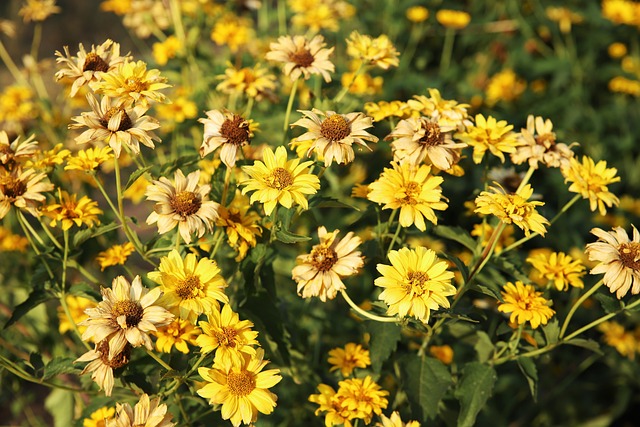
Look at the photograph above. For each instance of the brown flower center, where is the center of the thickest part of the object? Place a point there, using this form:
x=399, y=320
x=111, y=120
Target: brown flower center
x=411, y=193
x=235, y=130
x=93, y=62
x=185, y=203
x=417, y=281
x=189, y=288
x=335, y=128
x=280, y=178
x=132, y=311
x=302, y=58
x=547, y=140
x=323, y=258
x=119, y=360
x=125, y=120
x=13, y=188
x=241, y=383
x=226, y=336
x=630, y=255
x=432, y=134
x=134, y=84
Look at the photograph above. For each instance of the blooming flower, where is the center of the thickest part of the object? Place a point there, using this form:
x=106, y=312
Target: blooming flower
x=146, y=413
x=378, y=51
x=115, y=255
x=413, y=190
x=23, y=189
x=382, y=109
x=363, y=395
x=489, y=134
x=99, y=417
x=227, y=130
x=89, y=159
x=415, y=283
x=395, y=420
x=178, y=333
x=618, y=259
x=455, y=19
x=240, y=224
x=334, y=135
x=77, y=305
x=101, y=364
x=254, y=82
x=625, y=342
x=590, y=180
x=165, y=50
x=183, y=203
x=539, y=145
x=38, y=10
x=71, y=211
x=525, y=305
x=302, y=57
x=558, y=268
x=131, y=82
x=504, y=86
x=278, y=180
x=16, y=150
x=319, y=273
x=348, y=358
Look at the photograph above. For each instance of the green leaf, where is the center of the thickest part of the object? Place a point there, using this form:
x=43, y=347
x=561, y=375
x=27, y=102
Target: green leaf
x=528, y=368
x=134, y=176
x=462, y=268
x=60, y=404
x=35, y=298
x=285, y=236
x=86, y=290
x=490, y=289
x=484, y=347
x=329, y=202
x=59, y=365
x=182, y=162
x=588, y=344
x=608, y=302
x=551, y=331
x=457, y=234
x=86, y=234
x=35, y=360
x=384, y=340
x=473, y=390
x=510, y=268
x=426, y=381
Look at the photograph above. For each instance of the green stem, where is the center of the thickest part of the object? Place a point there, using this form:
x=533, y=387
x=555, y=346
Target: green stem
x=395, y=236
x=486, y=254
x=105, y=194
x=177, y=22
x=49, y=234
x=35, y=43
x=67, y=312
x=282, y=17
x=160, y=361
x=218, y=241
x=84, y=272
x=249, y=108
x=447, y=50
x=577, y=304
x=11, y=66
x=410, y=49
x=31, y=230
x=17, y=371
x=65, y=256
x=525, y=179
x=602, y=319
x=292, y=95
x=366, y=314
x=22, y=221
x=345, y=89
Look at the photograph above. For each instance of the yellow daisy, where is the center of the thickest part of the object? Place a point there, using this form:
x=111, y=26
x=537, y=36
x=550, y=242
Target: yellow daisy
x=336, y=413
x=590, y=180
x=115, y=255
x=455, y=19
x=448, y=111
x=525, y=305
x=99, y=417
x=46, y=159
x=395, y=420
x=77, y=305
x=240, y=224
x=302, y=57
x=89, y=159
x=227, y=130
x=489, y=134
x=38, y=10
x=348, y=358
x=382, y=110
x=415, y=283
x=146, y=413
x=378, y=51
x=557, y=268
x=71, y=211
x=23, y=189
x=178, y=333
x=615, y=335
x=278, y=180
x=10, y=242
x=101, y=365
x=256, y=82
x=131, y=82
x=362, y=395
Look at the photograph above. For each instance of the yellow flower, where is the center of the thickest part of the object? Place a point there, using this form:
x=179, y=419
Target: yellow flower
x=362, y=84
x=190, y=287
x=617, y=50
x=119, y=7
x=320, y=272
x=415, y=283
x=504, y=86
x=417, y=14
x=557, y=268
x=618, y=259
x=615, y=335
x=179, y=110
x=178, y=333
x=378, y=52
x=489, y=134
x=336, y=412
x=253, y=82
x=136, y=190
x=229, y=336
x=513, y=209
x=146, y=413
x=241, y=388
x=16, y=105
x=233, y=31
x=102, y=363
x=624, y=85
x=227, y=130
x=167, y=49
x=564, y=17
x=395, y=421
x=89, y=159
x=132, y=82
x=302, y=57
x=485, y=230
x=77, y=305
x=525, y=305
x=115, y=255
x=334, y=135
x=447, y=111
x=590, y=180
x=241, y=225
x=362, y=395
x=38, y=10
x=443, y=353
x=100, y=417
x=413, y=190
x=316, y=15
x=348, y=358
x=383, y=109
x=278, y=180
x=23, y=189
x=454, y=19
x=12, y=242
x=71, y=211
x=45, y=159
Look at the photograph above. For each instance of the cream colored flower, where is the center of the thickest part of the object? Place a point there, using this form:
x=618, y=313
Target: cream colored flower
x=302, y=57
x=146, y=413
x=101, y=366
x=227, y=130
x=16, y=150
x=539, y=145
x=23, y=189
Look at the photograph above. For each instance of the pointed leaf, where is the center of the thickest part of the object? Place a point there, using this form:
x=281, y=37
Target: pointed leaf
x=384, y=340
x=134, y=176
x=528, y=368
x=426, y=381
x=474, y=389
x=59, y=365
x=457, y=234
x=36, y=297
x=88, y=233
x=551, y=331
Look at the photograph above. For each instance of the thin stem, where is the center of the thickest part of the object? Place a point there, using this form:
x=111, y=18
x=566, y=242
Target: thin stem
x=218, y=241
x=292, y=95
x=410, y=49
x=84, y=272
x=177, y=21
x=160, y=361
x=49, y=234
x=225, y=188
x=525, y=179
x=447, y=50
x=345, y=89
x=11, y=66
x=15, y=370
x=249, y=108
x=33, y=232
x=577, y=304
x=67, y=312
x=364, y=313
x=35, y=43
x=602, y=319
x=177, y=244
x=395, y=236
x=105, y=194
x=282, y=17
x=65, y=257
x=22, y=220
x=486, y=254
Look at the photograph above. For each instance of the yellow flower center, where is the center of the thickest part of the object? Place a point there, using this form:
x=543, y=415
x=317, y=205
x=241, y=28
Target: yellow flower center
x=411, y=193
x=226, y=336
x=13, y=188
x=189, y=288
x=132, y=311
x=323, y=258
x=134, y=84
x=335, y=128
x=93, y=62
x=125, y=120
x=235, y=130
x=416, y=282
x=630, y=255
x=241, y=383
x=432, y=135
x=185, y=203
x=280, y=178
x=119, y=360
x=302, y=58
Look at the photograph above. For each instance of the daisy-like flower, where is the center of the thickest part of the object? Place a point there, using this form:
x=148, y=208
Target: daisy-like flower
x=625, y=342
x=115, y=255
x=415, y=283
x=364, y=395
x=240, y=224
x=191, y=287
x=16, y=150
x=227, y=130
x=38, y=10
x=178, y=333
x=513, y=209
x=618, y=259
x=378, y=51
x=382, y=110
x=539, y=145
x=146, y=413
x=525, y=305
x=319, y=274
x=183, y=203
x=126, y=314
x=77, y=305
x=99, y=417
x=336, y=413
x=590, y=180
x=229, y=336
x=557, y=268
x=443, y=353
x=10, y=242
x=448, y=111
x=71, y=212
x=23, y=189
x=489, y=134
x=348, y=358
x=46, y=159
x=89, y=159
x=101, y=366
x=419, y=139
x=302, y=57
x=116, y=125
x=395, y=421
x=241, y=388
x=256, y=82
x=131, y=82
x=334, y=135
x=88, y=67
x=278, y=180
x=413, y=190
x=454, y=19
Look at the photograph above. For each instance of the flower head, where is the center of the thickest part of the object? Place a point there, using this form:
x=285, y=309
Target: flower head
x=16, y=151
x=455, y=19
x=38, y=10
x=362, y=395
x=254, y=82
x=618, y=259
x=146, y=413
x=241, y=225
x=89, y=159
x=23, y=189
x=625, y=342
x=102, y=363
x=525, y=305
x=320, y=273
x=115, y=255
x=559, y=269
x=302, y=57
x=348, y=358
x=131, y=82
x=178, y=333
x=539, y=145
x=413, y=190
x=378, y=51
x=395, y=421
x=99, y=417
x=504, y=86
x=415, y=283
x=71, y=212
x=489, y=134
x=227, y=130
x=590, y=180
